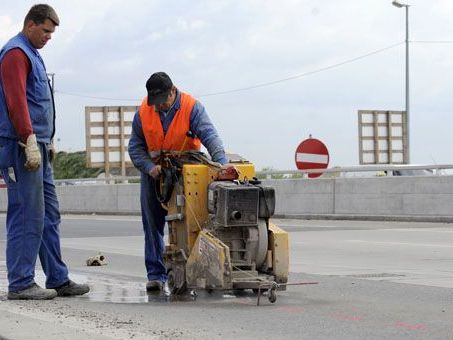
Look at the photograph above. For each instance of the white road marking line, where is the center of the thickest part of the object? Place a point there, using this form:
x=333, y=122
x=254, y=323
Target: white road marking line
x=403, y=243
x=101, y=218
x=123, y=245
x=428, y=230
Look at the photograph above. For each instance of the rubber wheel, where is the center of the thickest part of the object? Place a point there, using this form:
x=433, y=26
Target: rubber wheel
x=272, y=295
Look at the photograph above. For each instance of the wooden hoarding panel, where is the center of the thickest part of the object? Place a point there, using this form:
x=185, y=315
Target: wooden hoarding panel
x=382, y=137
x=108, y=130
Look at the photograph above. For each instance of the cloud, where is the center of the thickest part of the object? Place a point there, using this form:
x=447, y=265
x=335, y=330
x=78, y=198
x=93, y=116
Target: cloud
x=109, y=48
x=7, y=27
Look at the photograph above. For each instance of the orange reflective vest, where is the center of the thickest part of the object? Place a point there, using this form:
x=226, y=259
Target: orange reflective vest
x=175, y=139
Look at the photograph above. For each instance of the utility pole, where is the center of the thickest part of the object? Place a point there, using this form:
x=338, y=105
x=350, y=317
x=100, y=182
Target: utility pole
x=398, y=4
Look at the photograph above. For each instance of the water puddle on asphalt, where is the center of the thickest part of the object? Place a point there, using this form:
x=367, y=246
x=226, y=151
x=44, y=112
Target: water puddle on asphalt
x=117, y=289
x=121, y=290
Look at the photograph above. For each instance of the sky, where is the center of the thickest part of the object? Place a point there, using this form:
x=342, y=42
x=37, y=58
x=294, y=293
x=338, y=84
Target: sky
x=104, y=51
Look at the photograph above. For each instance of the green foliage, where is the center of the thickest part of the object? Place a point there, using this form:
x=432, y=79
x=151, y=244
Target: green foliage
x=260, y=174
x=268, y=169
x=73, y=165
x=298, y=175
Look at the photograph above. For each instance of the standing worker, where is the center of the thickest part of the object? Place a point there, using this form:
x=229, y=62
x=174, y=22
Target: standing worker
x=163, y=122
x=27, y=126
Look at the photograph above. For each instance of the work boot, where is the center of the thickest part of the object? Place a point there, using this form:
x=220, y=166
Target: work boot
x=34, y=292
x=166, y=289
x=154, y=285
x=71, y=288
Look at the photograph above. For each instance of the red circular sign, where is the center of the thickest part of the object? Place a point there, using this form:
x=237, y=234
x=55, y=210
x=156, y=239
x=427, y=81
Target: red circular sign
x=312, y=154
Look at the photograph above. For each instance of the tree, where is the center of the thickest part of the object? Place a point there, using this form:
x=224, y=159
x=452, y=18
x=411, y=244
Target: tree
x=73, y=165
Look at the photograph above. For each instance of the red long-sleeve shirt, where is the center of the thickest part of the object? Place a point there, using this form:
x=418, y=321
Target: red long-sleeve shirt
x=14, y=70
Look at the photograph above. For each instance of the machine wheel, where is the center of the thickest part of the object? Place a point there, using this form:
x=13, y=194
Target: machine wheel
x=272, y=295
x=176, y=288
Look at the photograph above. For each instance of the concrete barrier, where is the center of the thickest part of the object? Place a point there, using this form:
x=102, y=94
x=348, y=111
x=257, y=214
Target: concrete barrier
x=393, y=198
x=426, y=198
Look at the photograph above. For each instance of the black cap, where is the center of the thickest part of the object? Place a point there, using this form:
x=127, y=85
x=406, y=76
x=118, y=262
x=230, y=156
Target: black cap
x=158, y=86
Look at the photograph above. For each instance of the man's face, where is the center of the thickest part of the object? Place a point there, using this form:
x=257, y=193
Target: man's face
x=39, y=34
x=165, y=106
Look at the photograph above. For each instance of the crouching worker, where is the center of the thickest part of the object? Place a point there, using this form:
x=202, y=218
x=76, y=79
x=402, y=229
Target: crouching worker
x=27, y=117
x=162, y=122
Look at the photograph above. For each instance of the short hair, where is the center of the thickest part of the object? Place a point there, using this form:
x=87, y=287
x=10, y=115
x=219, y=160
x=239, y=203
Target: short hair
x=39, y=13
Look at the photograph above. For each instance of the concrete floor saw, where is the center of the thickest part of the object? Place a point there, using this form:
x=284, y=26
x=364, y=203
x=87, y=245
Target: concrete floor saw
x=220, y=232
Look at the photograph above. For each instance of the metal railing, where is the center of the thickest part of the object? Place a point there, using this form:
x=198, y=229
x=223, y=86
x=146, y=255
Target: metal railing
x=387, y=169
x=89, y=181
x=436, y=169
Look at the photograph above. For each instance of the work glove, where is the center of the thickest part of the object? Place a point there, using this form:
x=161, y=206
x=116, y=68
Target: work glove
x=97, y=260
x=32, y=153
x=228, y=173
x=52, y=152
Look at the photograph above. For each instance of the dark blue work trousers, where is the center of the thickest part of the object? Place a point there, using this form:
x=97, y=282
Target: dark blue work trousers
x=32, y=221
x=153, y=218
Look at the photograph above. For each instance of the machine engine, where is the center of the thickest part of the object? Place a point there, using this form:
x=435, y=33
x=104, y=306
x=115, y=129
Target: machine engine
x=237, y=215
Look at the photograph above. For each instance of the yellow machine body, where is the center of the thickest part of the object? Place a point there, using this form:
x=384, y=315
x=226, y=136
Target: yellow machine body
x=198, y=257
x=278, y=253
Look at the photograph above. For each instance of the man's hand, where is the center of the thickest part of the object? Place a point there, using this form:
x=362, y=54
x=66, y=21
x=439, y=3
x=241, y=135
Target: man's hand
x=228, y=172
x=155, y=172
x=32, y=153
x=52, y=152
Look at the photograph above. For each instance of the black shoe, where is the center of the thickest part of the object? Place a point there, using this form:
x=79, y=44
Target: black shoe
x=34, y=292
x=154, y=285
x=71, y=288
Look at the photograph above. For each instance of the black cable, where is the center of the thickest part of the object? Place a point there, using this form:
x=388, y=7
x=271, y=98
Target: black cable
x=94, y=97
x=432, y=41
x=301, y=74
x=270, y=83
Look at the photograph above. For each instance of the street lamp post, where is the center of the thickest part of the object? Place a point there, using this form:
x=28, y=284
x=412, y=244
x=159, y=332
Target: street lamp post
x=398, y=4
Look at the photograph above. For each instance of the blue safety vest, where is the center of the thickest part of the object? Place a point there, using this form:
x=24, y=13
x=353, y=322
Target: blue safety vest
x=39, y=94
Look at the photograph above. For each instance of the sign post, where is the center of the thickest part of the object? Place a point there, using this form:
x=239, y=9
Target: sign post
x=312, y=154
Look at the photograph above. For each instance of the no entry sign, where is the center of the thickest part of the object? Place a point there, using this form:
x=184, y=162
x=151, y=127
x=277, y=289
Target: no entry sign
x=312, y=154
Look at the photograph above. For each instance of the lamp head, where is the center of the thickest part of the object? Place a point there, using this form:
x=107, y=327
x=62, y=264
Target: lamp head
x=398, y=4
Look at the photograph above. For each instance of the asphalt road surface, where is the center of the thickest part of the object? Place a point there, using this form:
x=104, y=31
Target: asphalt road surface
x=375, y=280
